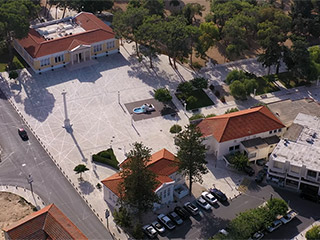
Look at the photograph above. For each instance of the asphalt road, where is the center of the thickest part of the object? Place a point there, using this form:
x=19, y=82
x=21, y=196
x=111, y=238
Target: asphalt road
x=208, y=223
x=19, y=159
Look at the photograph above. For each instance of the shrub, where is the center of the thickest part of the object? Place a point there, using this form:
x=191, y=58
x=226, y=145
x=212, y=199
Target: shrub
x=211, y=87
x=211, y=115
x=222, y=99
x=176, y=128
x=230, y=110
x=162, y=95
x=238, y=90
x=13, y=75
x=191, y=99
x=185, y=88
x=99, y=186
x=200, y=83
x=196, y=65
x=122, y=217
x=137, y=231
x=217, y=93
x=16, y=64
x=235, y=75
x=196, y=116
x=106, y=157
x=313, y=233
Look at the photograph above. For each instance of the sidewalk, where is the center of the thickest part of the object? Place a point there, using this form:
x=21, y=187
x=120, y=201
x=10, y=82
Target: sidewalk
x=301, y=236
x=29, y=196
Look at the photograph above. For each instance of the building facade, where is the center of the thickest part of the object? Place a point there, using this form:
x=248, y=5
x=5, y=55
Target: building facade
x=66, y=41
x=164, y=164
x=254, y=131
x=295, y=163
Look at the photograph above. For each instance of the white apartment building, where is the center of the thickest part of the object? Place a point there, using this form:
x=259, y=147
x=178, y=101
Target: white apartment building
x=295, y=162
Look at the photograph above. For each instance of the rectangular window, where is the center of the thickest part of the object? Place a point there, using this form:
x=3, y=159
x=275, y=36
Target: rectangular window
x=165, y=193
x=97, y=48
x=160, y=196
x=270, y=132
x=231, y=149
x=252, y=155
x=110, y=45
x=169, y=191
x=59, y=58
x=278, y=165
x=237, y=147
x=311, y=173
x=45, y=62
x=280, y=129
x=274, y=131
x=294, y=169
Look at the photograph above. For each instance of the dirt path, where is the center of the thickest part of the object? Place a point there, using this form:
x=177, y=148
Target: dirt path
x=12, y=209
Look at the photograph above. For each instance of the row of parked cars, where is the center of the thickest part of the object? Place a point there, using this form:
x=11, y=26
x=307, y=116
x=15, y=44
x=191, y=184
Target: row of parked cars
x=291, y=214
x=180, y=214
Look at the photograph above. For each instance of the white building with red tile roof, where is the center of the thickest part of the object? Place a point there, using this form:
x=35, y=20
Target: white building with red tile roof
x=70, y=40
x=47, y=223
x=255, y=131
x=164, y=164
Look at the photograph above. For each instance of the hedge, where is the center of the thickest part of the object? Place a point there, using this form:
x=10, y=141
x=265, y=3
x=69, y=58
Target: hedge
x=106, y=157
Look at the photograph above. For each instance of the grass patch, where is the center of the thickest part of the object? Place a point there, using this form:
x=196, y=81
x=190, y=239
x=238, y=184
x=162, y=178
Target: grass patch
x=17, y=62
x=202, y=99
x=106, y=157
x=290, y=81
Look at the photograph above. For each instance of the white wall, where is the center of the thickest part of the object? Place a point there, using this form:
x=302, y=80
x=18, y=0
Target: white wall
x=110, y=197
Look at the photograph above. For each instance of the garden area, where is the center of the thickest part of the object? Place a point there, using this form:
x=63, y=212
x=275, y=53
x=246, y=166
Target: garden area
x=106, y=157
x=193, y=95
x=17, y=63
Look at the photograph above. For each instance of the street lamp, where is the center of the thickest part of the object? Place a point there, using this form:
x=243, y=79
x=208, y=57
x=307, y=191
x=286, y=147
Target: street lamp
x=185, y=106
x=119, y=97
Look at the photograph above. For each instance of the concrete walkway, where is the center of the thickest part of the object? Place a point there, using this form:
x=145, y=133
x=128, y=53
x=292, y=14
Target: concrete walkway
x=302, y=235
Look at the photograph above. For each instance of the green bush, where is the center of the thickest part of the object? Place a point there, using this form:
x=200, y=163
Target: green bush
x=313, y=233
x=211, y=87
x=200, y=83
x=191, y=99
x=196, y=65
x=106, y=157
x=137, y=231
x=222, y=99
x=230, y=110
x=211, y=115
x=196, y=116
x=185, y=88
x=175, y=128
x=13, y=75
x=16, y=64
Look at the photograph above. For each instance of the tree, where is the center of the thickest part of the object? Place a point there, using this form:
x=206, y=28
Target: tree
x=200, y=83
x=173, y=37
x=162, y=95
x=147, y=33
x=79, y=169
x=313, y=233
x=139, y=182
x=192, y=154
x=238, y=89
x=93, y=6
x=209, y=34
x=239, y=160
x=185, y=88
x=155, y=7
x=277, y=207
x=122, y=217
x=235, y=75
x=15, y=16
x=13, y=75
x=190, y=10
x=250, y=85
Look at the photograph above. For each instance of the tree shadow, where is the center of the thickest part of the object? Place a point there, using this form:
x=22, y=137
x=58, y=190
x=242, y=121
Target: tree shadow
x=86, y=187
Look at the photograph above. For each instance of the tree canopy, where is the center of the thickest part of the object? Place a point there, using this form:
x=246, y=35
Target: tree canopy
x=81, y=168
x=192, y=154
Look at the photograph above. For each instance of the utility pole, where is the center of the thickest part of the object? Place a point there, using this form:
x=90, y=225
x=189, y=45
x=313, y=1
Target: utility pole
x=67, y=124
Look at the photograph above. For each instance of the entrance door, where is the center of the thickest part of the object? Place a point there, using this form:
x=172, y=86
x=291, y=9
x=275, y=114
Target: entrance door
x=80, y=57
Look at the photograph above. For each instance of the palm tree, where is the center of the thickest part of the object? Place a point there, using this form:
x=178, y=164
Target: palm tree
x=81, y=168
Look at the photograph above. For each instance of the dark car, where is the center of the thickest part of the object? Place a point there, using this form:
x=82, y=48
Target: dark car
x=175, y=217
x=218, y=195
x=260, y=176
x=248, y=170
x=184, y=214
x=23, y=134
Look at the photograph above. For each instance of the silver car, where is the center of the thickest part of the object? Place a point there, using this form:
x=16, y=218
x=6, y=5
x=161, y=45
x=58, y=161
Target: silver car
x=157, y=226
x=150, y=231
x=203, y=203
x=166, y=221
x=209, y=198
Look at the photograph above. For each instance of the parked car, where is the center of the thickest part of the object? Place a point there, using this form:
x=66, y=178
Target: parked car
x=288, y=217
x=157, y=226
x=260, y=176
x=203, y=203
x=175, y=217
x=218, y=194
x=257, y=236
x=224, y=232
x=166, y=221
x=184, y=214
x=149, y=231
x=191, y=208
x=23, y=134
x=276, y=224
x=209, y=198
x=248, y=170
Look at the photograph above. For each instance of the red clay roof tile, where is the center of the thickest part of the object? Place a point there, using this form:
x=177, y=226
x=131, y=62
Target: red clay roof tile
x=240, y=124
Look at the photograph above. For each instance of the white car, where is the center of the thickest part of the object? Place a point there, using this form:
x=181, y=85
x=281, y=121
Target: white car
x=203, y=203
x=157, y=226
x=288, y=217
x=224, y=232
x=166, y=221
x=276, y=224
x=150, y=231
x=209, y=198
